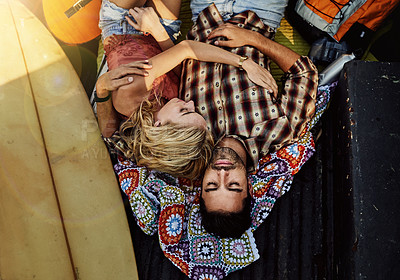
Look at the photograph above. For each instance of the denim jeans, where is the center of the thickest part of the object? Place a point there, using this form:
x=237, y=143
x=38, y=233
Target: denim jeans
x=269, y=11
x=112, y=21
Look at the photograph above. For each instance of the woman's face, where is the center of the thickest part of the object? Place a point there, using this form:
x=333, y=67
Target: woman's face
x=178, y=111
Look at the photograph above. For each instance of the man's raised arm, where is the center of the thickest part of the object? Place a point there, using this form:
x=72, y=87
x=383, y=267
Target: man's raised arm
x=237, y=37
x=301, y=82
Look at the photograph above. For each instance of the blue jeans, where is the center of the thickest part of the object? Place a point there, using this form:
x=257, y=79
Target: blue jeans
x=112, y=21
x=269, y=11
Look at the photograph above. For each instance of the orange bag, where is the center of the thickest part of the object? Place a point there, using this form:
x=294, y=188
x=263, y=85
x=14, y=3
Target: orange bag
x=337, y=16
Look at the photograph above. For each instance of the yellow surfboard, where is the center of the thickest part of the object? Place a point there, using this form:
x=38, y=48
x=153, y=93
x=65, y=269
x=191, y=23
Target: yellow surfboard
x=61, y=213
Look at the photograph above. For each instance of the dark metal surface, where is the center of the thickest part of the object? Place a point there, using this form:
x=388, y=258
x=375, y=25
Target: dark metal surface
x=366, y=171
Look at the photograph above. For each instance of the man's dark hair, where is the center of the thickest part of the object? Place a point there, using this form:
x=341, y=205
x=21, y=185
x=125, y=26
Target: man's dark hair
x=226, y=224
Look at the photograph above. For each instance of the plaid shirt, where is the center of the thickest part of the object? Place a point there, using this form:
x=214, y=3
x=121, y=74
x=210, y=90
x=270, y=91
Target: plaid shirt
x=233, y=106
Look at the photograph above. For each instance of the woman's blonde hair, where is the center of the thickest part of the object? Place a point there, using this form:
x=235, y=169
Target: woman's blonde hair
x=182, y=151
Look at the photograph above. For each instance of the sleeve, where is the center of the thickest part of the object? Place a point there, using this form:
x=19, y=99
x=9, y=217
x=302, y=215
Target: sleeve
x=115, y=144
x=274, y=175
x=299, y=94
x=141, y=187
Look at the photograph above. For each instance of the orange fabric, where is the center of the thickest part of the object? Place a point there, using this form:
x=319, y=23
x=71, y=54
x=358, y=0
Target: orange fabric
x=371, y=14
x=377, y=13
x=325, y=9
x=351, y=20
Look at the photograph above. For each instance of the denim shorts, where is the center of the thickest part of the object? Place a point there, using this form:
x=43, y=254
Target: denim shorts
x=112, y=21
x=269, y=11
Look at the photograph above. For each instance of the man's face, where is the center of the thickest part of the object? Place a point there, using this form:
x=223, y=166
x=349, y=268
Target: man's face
x=224, y=184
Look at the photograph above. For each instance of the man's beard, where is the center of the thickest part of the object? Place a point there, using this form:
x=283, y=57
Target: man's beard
x=226, y=153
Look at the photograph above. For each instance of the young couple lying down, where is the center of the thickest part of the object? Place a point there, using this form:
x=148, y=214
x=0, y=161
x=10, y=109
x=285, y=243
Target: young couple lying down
x=229, y=112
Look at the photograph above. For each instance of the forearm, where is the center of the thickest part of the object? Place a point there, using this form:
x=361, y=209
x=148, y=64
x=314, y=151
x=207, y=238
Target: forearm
x=209, y=53
x=165, y=42
x=169, y=59
x=161, y=36
x=166, y=61
x=281, y=55
x=107, y=117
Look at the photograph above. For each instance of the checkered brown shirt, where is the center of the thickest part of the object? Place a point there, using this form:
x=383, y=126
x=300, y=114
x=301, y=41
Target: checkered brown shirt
x=233, y=106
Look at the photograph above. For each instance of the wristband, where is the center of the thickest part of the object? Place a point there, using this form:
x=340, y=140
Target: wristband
x=242, y=59
x=101, y=99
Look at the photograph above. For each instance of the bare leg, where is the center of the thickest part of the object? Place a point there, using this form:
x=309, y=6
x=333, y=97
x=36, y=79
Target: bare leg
x=127, y=4
x=167, y=9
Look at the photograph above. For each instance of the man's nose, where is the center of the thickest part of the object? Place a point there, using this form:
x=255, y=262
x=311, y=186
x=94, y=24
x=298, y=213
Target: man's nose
x=223, y=175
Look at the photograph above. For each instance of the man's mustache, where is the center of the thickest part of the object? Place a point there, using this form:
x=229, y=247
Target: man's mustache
x=223, y=167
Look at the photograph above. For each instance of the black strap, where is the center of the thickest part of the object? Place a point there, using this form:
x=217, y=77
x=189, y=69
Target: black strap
x=103, y=99
x=76, y=7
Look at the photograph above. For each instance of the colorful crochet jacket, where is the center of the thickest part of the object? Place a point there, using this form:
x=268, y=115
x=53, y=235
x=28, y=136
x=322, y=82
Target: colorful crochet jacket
x=170, y=206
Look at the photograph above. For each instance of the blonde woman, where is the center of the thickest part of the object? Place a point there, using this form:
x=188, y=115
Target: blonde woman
x=159, y=130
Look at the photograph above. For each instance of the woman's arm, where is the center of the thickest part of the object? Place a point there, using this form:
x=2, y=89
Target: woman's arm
x=108, y=82
x=167, y=60
x=148, y=22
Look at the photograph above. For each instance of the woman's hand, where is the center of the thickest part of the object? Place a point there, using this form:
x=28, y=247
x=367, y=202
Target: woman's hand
x=147, y=21
x=118, y=77
x=260, y=76
x=236, y=36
